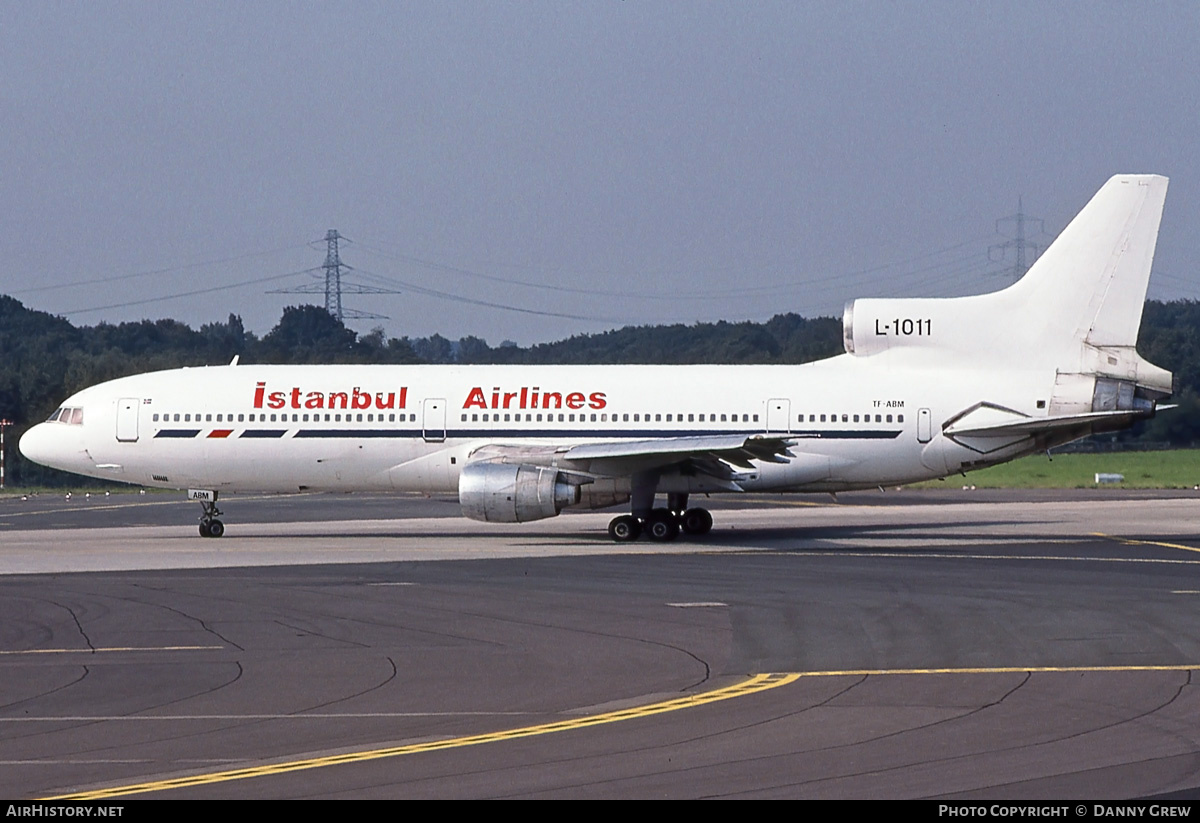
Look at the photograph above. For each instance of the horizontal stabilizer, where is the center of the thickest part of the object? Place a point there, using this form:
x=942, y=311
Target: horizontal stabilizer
x=1039, y=425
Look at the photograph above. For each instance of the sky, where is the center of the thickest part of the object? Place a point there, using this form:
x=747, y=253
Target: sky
x=529, y=171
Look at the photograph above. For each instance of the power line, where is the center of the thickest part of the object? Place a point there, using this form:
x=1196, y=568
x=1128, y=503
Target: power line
x=149, y=272
x=707, y=294
x=193, y=293
x=458, y=298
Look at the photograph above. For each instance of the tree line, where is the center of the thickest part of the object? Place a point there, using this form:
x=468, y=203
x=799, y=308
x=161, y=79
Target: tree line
x=44, y=359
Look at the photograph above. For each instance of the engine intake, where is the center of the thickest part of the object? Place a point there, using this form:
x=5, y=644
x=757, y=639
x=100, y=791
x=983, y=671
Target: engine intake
x=513, y=493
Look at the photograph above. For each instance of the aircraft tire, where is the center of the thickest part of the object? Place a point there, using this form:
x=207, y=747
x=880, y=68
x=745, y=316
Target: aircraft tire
x=205, y=531
x=624, y=529
x=662, y=526
x=216, y=528
x=696, y=521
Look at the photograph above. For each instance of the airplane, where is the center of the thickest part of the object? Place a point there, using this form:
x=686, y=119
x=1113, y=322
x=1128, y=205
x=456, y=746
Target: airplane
x=928, y=387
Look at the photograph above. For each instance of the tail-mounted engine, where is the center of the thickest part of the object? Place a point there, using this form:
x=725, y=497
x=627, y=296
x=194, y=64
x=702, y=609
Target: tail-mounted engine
x=513, y=493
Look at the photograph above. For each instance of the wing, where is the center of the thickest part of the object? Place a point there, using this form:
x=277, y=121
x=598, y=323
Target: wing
x=718, y=456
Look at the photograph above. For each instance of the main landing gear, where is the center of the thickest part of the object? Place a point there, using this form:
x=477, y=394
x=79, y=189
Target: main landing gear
x=210, y=526
x=661, y=525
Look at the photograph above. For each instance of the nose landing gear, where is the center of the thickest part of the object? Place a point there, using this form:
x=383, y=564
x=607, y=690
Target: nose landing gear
x=210, y=526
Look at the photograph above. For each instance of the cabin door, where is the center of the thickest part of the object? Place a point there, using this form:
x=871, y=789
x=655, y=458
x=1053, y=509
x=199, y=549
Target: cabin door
x=779, y=414
x=433, y=426
x=924, y=426
x=127, y=419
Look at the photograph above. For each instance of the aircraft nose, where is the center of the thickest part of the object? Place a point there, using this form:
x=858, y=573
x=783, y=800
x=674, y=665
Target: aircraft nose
x=44, y=444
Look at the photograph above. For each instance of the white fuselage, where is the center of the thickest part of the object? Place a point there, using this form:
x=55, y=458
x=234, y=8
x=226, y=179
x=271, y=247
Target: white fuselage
x=856, y=422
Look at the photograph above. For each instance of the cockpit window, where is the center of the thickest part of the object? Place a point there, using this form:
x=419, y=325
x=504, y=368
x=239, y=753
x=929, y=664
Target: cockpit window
x=70, y=415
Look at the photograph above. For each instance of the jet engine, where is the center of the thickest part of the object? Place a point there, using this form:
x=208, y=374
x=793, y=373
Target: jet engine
x=513, y=493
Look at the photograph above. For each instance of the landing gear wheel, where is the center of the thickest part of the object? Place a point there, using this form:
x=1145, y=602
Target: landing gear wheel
x=210, y=526
x=624, y=529
x=696, y=521
x=662, y=526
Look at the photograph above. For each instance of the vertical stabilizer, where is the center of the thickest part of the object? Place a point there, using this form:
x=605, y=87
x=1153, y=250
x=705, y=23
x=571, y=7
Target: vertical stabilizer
x=1090, y=285
x=1077, y=309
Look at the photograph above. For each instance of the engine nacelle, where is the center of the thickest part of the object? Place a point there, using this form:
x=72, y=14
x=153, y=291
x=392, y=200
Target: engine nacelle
x=874, y=325
x=513, y=493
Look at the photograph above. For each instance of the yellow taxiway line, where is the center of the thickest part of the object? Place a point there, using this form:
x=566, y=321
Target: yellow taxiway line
x=757, y=683
x=1131, y=542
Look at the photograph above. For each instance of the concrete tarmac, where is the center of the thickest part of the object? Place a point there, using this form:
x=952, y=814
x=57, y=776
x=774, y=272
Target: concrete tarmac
x=937, y=644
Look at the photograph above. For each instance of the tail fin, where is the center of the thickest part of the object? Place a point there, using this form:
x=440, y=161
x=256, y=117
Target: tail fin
x=1077, y=309
x=1090, y=285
